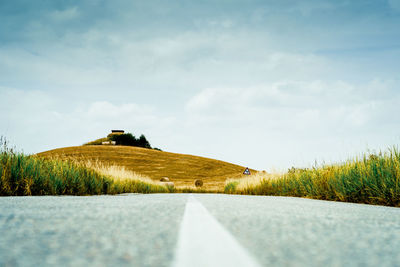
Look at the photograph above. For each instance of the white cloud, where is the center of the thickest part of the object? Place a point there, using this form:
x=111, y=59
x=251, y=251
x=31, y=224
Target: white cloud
x=394, y=4
x=278, y=95
x=296, y=122
x=215, y=23
x=191, y=60
x=307, y=8
x=64, y=15
x=36, y=121
x=107, y=110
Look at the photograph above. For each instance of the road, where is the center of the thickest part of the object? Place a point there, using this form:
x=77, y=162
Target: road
x=195, y=230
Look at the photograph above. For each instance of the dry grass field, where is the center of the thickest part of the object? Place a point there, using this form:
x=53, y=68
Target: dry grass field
x=181, y=169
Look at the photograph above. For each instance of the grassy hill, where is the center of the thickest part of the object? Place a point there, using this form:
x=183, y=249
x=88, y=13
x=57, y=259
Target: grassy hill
x=181, y=169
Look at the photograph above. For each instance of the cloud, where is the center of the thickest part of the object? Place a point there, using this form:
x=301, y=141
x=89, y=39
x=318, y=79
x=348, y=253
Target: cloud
x=314, y=108
x=107, y=110
x=36, y=120
x=186, y=61
x=64, y=15
x=394, y=4
x=297, y=122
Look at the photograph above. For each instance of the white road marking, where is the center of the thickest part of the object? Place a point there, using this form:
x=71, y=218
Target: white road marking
x=204, y=242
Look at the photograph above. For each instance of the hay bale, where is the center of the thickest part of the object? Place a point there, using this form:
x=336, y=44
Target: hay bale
x=198, y=183
x=164, y=179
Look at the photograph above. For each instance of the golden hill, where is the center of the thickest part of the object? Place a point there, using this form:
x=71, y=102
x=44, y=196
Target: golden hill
x=181, y=169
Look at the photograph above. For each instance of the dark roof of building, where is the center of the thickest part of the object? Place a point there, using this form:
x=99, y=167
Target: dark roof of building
x=117, y=131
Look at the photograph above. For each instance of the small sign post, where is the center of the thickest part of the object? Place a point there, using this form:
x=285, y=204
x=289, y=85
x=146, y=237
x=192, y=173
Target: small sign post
x=246, y=171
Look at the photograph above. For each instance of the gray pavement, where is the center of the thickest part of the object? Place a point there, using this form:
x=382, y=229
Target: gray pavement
x=285, y=231
x=127, y=230
x=142, y=230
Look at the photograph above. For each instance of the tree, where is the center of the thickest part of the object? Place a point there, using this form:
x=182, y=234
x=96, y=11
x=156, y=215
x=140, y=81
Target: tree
x=130, y=140
x=142, y=142
x=125, y=139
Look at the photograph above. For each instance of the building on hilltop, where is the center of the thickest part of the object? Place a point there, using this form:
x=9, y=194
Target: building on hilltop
x=113, y=143
x=117, y=131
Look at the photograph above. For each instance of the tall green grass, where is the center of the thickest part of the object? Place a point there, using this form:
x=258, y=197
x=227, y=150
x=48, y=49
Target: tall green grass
x=30, y=175
x=371, y=179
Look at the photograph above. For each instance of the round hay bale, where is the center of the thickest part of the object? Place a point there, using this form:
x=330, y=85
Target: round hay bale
x=164, y=179
x=198, y=183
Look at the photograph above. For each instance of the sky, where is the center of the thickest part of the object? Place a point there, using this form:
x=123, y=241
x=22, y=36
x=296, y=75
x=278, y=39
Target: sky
x=267, y=84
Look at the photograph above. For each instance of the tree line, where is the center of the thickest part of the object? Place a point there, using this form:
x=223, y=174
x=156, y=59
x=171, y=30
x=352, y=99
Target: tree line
x=128, y=139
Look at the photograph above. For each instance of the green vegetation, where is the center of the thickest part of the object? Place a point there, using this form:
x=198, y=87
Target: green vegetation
x=231, y=187
x=371, y=179
x=32, y=175
x=125, y=139
x=129, y=140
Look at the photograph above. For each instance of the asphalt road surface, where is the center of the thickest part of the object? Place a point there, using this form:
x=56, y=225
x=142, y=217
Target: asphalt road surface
x=195, y=230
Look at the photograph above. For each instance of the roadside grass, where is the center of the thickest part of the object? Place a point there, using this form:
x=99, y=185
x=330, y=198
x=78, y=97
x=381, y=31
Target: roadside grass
x=246, y=182
x=32, y=175
x=371, y=179
x=118, y=173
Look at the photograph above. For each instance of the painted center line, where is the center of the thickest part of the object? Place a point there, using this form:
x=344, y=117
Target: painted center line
x=203, y=241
